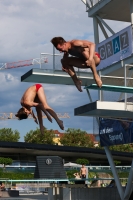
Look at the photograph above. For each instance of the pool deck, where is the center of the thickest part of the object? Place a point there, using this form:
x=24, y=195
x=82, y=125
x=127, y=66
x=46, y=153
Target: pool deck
x=28, y=197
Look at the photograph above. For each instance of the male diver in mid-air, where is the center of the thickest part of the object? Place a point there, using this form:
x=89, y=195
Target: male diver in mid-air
x=84, y=57
x=34, y=96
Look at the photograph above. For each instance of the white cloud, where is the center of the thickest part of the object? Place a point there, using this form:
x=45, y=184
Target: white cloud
x=8, y=82
x=9, y=77
x=28, y=26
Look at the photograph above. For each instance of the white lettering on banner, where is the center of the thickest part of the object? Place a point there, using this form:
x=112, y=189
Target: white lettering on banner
x=109, y=49
x=124, y=41
x=109, y=52
x=102, y=53
x=107, y=130
x=115, y=48
x=116, y=137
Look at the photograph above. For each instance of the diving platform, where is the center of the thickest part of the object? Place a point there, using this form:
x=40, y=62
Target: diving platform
x=105, y=109
x=112, y=88
x=51, y=76
x=110, y=9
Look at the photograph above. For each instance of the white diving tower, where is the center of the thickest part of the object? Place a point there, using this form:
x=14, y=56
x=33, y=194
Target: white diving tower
x=116, y=67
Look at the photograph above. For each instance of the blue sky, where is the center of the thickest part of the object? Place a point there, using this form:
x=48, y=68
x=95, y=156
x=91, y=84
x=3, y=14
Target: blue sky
x=26, y=30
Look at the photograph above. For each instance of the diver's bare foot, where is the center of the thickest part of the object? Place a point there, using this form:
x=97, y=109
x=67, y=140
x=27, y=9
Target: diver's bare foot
x=78, y=85
x=98, y=81
x=49, y=118
x=60, y=123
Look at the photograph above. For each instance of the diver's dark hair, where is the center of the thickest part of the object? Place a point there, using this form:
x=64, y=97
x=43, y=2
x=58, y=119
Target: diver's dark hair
x=57, y=40
x=21, y=114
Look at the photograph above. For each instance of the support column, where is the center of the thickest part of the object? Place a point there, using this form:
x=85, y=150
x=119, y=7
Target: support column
x=125, y=82
x=86, y=182
x=53, y=58
x=114, y=171
x=129, y=186
x=96, y=39
x=96, y=32
x=131, y=11
x=103, y=30
x=40, y=61
x=105, y=24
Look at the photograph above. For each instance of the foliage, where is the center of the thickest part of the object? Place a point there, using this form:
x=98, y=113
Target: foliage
x=76, y=137
x=5, y=161
x=7, y=134
x=92, y=175
x=82, y=161
x=117, y=162
x=21, y=176
x=34, y=136
x=123, y=174
x=71, y=172
x=16, y=175
x=122, y=147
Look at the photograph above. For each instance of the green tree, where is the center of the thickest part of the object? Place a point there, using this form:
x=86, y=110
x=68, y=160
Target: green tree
x=82, y=161
x=5, y=161
x=34, y=136
x=76, y=137
x=124, y=148
x=117, y=162
x=7, y=134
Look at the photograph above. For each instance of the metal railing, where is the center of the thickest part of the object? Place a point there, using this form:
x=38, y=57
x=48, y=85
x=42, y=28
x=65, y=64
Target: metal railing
x=91, y=3
x=41, y=185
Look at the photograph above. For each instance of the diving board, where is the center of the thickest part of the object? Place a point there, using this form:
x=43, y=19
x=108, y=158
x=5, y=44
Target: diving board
x=105, y=109
x=51, y=76
x=55, y=77
x=113, y=88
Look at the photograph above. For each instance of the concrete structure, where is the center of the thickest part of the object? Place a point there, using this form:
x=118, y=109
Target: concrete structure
x=9, y=193
x=81, y=193
x=105, y=109
x=25, y=153
x=49, y=167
